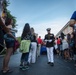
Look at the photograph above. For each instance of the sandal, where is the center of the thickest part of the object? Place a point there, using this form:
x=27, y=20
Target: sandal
x=8, y=71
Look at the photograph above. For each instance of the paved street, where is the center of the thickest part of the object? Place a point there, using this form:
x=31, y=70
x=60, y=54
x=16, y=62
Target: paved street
x=41, y=67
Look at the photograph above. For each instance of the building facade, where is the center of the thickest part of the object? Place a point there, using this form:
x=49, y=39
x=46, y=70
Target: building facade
x=66, y=29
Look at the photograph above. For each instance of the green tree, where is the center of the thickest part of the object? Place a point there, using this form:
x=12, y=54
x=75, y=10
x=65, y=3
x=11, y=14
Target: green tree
x=19, y=39
x=9, y=15
x=12, y=17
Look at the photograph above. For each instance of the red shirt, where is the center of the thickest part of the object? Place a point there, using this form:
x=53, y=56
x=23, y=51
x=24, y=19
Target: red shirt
x=58, y=41
x=39, y=41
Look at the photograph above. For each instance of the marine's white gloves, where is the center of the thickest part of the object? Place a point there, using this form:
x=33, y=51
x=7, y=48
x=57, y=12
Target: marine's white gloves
x=46, y=40
x=49, y=40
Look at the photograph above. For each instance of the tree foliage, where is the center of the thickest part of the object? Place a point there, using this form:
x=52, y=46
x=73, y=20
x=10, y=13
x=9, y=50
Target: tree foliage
x=19, y=39
x=12, y=17
x=9, y=15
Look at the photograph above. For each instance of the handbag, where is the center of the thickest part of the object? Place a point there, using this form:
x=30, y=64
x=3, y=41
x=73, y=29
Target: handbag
x=16, y=45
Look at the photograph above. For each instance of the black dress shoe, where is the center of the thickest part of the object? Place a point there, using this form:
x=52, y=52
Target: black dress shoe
x=48, y=62
x=52, y=64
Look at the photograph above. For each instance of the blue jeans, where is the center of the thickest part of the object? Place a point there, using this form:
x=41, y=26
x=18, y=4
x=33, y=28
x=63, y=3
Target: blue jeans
x=24, y=58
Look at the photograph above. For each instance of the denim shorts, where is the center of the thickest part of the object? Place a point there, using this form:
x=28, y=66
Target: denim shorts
x=10, y=44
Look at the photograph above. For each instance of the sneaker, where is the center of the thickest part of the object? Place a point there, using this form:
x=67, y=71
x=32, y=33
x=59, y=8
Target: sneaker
x=25, y=68
x=21, y=66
